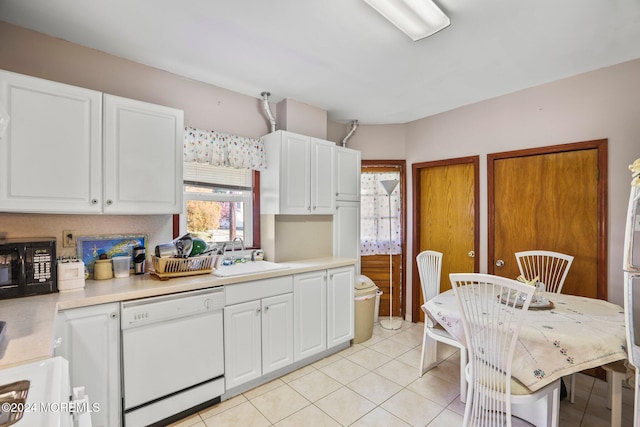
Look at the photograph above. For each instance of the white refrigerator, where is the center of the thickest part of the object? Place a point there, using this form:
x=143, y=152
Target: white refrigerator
x=631, y=265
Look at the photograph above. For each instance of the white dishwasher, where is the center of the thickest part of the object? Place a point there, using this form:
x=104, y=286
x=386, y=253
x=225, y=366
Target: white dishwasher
x=172, y=355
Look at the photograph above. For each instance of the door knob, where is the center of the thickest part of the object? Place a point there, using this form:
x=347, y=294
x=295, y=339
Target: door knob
x=471, y=254
x=499, y=263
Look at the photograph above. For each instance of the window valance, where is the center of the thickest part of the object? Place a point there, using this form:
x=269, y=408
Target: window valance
x=223, y=149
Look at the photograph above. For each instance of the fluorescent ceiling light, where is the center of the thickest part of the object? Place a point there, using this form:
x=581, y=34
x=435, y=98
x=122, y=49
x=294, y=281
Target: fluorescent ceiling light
x=416, y=18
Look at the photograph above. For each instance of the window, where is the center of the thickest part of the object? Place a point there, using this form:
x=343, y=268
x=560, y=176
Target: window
x=218, y=203
x=375, y=236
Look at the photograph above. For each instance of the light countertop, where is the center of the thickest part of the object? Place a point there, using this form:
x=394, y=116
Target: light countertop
x=30, y=320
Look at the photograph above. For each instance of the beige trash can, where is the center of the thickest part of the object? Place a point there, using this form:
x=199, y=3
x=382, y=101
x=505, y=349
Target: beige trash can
x=365, y=300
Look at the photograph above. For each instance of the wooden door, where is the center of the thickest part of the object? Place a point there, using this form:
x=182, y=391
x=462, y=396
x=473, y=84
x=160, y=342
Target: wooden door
x=446, y=219
x=376, y=268
x=552, y=198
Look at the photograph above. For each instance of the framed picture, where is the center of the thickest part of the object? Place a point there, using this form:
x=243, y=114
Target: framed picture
x=89, y=248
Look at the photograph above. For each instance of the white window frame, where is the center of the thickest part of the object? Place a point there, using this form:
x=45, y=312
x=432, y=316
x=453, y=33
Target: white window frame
x=245, y=196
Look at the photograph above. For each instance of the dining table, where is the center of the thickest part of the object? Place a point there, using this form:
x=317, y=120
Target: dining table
x=569, y=335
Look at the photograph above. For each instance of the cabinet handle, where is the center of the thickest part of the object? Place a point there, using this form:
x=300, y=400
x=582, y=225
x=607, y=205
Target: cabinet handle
x=266, y=308
x=314, y=207
x=258, y=311
x=94, y=201
x=109, y=202
x=113, y=315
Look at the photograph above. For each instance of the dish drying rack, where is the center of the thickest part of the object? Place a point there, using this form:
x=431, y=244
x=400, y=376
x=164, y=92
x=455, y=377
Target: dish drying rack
x=166, y=268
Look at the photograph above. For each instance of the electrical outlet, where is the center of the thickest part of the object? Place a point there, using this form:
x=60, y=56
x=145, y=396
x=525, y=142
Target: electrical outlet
x=68, y=238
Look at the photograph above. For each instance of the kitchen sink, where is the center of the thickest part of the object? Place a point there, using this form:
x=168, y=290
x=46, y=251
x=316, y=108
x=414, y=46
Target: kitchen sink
x=250, y=267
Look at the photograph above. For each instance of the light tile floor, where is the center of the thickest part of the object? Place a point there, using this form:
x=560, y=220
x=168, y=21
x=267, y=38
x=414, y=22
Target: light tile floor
x=376, y=383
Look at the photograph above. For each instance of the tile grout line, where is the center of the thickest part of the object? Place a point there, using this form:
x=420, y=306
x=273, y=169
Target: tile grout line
x=346, y=354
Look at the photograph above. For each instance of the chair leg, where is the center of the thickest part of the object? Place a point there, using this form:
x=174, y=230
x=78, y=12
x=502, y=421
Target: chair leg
x=463, y=377
x=572, y=395
x=636, y=400
x=429, y=352
x=614, y=384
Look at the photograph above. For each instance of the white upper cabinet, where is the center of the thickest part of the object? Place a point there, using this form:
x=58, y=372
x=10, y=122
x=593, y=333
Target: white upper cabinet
x=347, y=174
x=142, y=157
x=66, y=152
x=323, y=201
x=51, y=153
x=299, y=179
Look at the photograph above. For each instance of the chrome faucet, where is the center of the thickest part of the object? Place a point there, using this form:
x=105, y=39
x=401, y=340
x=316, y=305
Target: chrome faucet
x=233, y=247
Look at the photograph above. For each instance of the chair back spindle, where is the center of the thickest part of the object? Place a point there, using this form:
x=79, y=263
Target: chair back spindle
x=551, y=268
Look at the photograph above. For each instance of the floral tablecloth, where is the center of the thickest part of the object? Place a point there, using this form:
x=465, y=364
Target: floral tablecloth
x=577, y=334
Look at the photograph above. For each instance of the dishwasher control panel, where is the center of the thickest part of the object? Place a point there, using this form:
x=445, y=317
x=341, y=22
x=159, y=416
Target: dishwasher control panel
x=158, y=309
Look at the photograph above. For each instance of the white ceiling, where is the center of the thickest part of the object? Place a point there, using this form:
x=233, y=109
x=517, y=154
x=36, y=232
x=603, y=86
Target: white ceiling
x=343, y=57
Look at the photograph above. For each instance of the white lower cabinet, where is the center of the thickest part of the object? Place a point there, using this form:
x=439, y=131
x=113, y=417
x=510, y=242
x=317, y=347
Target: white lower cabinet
x=323, y=310
x=340, y=306
x=242, y=343
x=89, y=338
x=258, y=338
x=277, y=332
x=309, y=313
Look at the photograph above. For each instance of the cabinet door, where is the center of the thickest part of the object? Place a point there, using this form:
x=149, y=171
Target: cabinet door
x=340, y=309
x=89, y=338
x=309, y=314
x=323, y=199
x=347, y=174
x=277, y=332
x=242, y=343
x=346, y=231
x=142, y=157
x=50, y=156
x=295, y=184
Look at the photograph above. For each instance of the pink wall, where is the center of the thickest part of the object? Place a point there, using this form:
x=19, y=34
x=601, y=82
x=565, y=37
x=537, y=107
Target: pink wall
x=378, y=142
x=205, y=106
x=301, y=118
x=600, y=104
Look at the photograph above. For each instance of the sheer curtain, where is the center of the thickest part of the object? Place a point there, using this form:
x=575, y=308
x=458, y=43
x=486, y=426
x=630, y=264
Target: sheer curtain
x=374, y=225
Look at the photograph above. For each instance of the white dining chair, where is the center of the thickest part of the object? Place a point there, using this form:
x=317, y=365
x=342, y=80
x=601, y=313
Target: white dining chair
x=551, y=268
x=430, y=268
x=493, y=309
x=633, y=347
